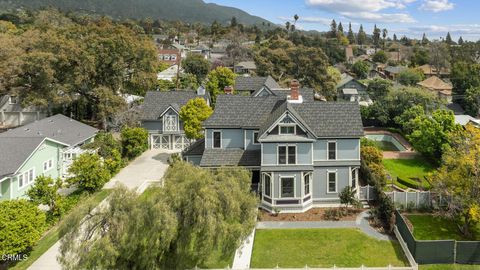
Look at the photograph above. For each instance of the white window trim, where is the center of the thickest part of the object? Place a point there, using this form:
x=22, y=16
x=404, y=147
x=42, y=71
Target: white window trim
x=287, y=125
x=286, y=153
x=177, y=128
x=328, y=150
x=356, y=169
x=280, y=177
x=328, y=181
x=310, y=183
x=10, y=100
x=253, y=138
x=213, y=139
x=26, y=173
x=49, y=167
x=271, y=185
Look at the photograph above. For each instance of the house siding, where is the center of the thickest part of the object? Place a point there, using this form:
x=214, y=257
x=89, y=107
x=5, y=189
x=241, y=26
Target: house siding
x=48, y=150
x=347, y=149
x=249, y=140
x=270, y=155
x=231, y=138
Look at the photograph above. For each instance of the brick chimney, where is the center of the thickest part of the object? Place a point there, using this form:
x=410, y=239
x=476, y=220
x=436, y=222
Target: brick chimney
x=228, y=90
x=295, y=96
x=294, y=89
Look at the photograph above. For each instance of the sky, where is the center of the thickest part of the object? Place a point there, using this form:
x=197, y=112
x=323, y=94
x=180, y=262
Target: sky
x=402, y=17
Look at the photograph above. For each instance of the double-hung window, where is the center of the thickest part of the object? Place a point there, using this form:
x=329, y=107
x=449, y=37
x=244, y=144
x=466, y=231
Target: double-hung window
x=354, y=178
x=332, y=150
x=267, y=185
x=217, y=139
x=287, y=155
x=306, y=184
x=26, y=178
x=47, y=165
x=287, y=189
x=332, y=182
x=255, y=137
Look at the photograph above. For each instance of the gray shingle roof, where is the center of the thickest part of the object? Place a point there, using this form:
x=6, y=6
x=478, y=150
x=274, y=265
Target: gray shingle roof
x=230, y=157
x=195, y=149
x=156, y=102
x=395, y=70
x=58, y=127
x=14, y=151
x=323, y=119
x=254, y=83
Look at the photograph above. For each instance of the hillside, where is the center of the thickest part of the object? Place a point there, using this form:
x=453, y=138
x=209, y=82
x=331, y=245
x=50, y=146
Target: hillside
x=184, y=10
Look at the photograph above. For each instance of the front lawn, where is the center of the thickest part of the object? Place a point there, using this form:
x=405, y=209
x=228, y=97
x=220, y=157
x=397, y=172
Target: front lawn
x=411, y=171
x=449, y=267
x=51, y=237
x=429, y=227
x=323, y=248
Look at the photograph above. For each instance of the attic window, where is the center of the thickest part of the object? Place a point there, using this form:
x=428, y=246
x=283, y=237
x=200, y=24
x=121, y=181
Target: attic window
x=287, y=129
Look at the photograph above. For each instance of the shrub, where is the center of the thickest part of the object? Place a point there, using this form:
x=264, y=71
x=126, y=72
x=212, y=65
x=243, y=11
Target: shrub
x=347, y=196
x=90, y=173
x=114, y=163
x=334, y=214
x=371, y=154
x=21, y=226
x=410, y=77
x=383, y=214
x=45, y=191
x=134, y=142
x=105, y=145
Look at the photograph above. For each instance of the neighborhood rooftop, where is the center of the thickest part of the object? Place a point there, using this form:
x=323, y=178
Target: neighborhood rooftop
x=156, y=102
x=247, y=83
x=15, y=151
x=58, y=127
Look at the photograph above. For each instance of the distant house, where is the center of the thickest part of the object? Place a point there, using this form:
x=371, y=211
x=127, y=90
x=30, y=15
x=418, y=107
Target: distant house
x=439, y=87
x=246, y=85
x=430, y=71
x=466, y=119
x=391, y=72
x=45, y=147
x=247, y=67
x=13, y=114
x=160, y=116
x=350, y=89
x=170, y=56
x=169, y=74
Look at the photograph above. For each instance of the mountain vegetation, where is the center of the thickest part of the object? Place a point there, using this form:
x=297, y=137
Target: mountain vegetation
x=183, y=10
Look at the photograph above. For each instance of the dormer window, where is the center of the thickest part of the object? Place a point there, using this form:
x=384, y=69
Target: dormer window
x=287, y=129
x=13, y=100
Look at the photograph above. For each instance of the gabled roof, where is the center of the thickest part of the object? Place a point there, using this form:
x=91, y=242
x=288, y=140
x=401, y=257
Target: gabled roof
x=437, y=84
x=15, y=151
x=156, y=103
x=243, y=83
x=395, y=70
x=344, y=79
x=247, y=65
x=58, y=127
x=323, y=119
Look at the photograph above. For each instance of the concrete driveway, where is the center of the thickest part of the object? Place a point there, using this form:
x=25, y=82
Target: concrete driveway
x=150, y=166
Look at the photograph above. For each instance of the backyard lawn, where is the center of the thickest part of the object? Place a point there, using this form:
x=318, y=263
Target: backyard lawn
x=323, y=248
x=410, y=170
x=428, y=227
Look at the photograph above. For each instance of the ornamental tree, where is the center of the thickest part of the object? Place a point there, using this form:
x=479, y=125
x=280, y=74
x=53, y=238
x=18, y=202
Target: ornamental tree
x=89, y=172
x=134, y=142
x=45, y=191
x=217, y=80
x=193, y=114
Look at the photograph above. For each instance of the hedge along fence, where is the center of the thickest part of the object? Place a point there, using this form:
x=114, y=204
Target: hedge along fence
x=438, y=251
x=417, y=199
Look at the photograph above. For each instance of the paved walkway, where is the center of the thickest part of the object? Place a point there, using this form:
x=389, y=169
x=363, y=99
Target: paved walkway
x=243, y=254
x=361, y=223
x=151, y=165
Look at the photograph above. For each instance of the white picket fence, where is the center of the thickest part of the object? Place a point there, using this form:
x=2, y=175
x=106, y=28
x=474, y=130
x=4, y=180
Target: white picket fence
x=415, y=199
x=367, y=193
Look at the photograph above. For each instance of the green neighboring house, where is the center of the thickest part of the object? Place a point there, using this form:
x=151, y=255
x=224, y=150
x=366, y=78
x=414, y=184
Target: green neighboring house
x=45, y=147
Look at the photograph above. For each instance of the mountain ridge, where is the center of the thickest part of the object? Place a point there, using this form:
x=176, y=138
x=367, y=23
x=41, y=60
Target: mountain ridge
x=185, y=10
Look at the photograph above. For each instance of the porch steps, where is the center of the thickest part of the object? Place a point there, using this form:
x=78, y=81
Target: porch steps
x=365, y=204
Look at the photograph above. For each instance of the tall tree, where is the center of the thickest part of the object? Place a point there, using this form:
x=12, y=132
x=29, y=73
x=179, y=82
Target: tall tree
x=425, y=40
x=340, y=29
x=362, y=36
x=448, y=39
x=350, y=35
x=460, y=41
x=376, y=36
x=193, y=114
x=197, y=65
x=333, y=29
x=395, y=39
x=287, y=26
x=439, y=56
x=384, y=36
x=217, y=80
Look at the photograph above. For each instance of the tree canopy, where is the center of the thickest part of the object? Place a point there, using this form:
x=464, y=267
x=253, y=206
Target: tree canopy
x=193, y=114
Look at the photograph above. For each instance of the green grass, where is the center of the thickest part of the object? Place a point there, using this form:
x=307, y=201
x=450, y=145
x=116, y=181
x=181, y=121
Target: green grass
x=449, y=267
x=149, y=192
x=428, y=227
x=408, y=169
x=51, y=237
x=323, y=248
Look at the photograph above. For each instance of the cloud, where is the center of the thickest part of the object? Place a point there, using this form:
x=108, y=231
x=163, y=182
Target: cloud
x=312, y=20
x=366, y=10
x=455, y=29
x=436, y=5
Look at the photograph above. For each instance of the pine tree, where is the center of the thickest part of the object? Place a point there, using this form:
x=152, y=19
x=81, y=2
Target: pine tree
x=425, y=40
x=460, y=41
x=233, y=22
x=350, y=35
x=340, y=29
x=448, y=39
x=333, y=29
x=361, y=37
x=384, y=35
x=395, y=39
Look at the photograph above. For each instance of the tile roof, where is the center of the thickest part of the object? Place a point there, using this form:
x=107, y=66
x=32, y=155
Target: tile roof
x=230, y=157
x=15, y=151
x=247, y=83
x=156, y=102
x=58, y=127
